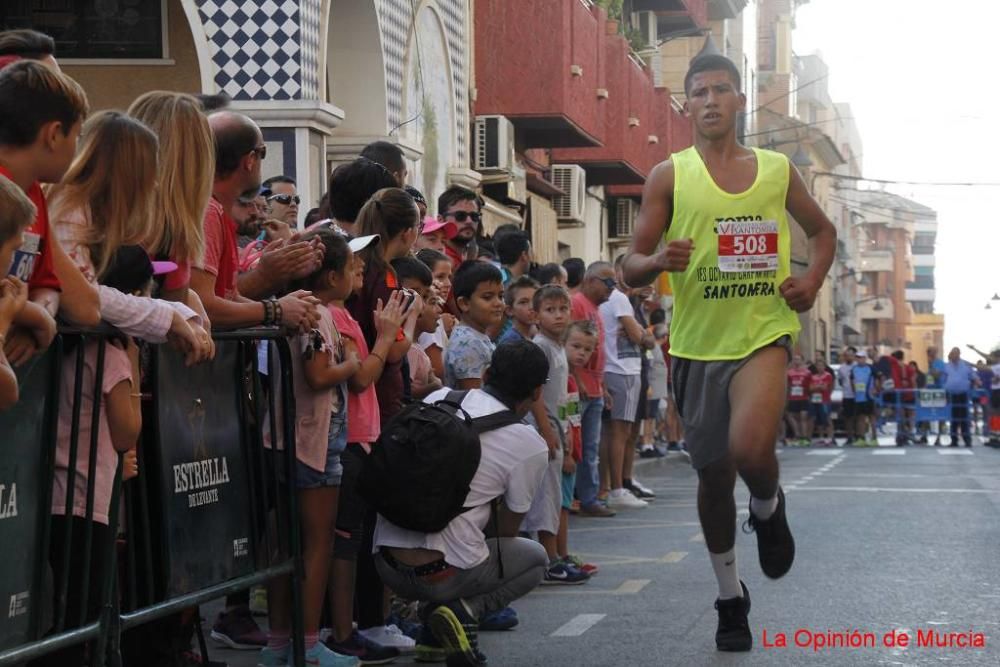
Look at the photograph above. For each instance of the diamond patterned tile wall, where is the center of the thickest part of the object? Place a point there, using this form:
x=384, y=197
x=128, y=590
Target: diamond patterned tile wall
x=455, y=13
x=396, y=19
x=311, y=63
x=258, y=53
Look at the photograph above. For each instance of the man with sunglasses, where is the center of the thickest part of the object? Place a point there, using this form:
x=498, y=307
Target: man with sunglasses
x=283, y=199
x=597, y=286
x=462, y=207
x=239, y=151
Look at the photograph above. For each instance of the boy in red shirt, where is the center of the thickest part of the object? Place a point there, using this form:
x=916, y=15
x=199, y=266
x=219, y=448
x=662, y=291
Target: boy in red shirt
x=41, y=113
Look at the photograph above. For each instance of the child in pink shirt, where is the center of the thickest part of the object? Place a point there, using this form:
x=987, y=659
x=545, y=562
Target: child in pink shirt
x=321, y=366
x=363, y=430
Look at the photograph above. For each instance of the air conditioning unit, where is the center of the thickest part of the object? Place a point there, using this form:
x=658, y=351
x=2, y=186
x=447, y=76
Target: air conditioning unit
x=626, y=211
x=645, y=23
x=494, y=144
x=571, y=179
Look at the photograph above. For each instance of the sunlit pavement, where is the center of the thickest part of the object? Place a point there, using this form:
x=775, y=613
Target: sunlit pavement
x=904, y=539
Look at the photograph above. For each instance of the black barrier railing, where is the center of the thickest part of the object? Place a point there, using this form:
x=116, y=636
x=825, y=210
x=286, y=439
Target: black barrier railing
x=188, y=537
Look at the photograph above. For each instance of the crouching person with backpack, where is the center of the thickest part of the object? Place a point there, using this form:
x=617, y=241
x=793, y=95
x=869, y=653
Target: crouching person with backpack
x=462, y=464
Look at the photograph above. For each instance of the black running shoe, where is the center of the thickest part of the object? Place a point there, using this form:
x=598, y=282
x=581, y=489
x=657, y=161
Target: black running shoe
x=775, y=545
x=734, y=629
x=458, y=632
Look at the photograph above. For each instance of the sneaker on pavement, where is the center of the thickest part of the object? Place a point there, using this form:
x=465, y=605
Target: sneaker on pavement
x=390, y=636
x=775, y=545
x=269, y=657
x=236, y=629
x=577, y=562
x=596, y=509
x=733, y=633
x=362, y=649
x=499, y=621
x=561, y=573
x=457, y=630
x=623, y=499
x=321, y=656
x=410, y=628
x=640, y=490
x=648, y=452
x=429, y=649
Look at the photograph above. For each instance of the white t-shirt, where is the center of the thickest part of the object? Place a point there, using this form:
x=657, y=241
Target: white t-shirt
x=514, y=460
x=995, y=384
x=438, y=337
x=621, y=355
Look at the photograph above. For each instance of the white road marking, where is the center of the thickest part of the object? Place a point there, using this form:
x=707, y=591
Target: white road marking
x=879, y=489
x=888, y=452
x=700, y=537
x=578, y=625
x=605, y=528
x=955, y=452
x=674, y=557
x=631, y=586
x=823, y=452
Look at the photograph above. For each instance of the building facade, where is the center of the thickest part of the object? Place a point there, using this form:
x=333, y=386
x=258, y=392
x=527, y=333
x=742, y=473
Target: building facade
x=321, y=77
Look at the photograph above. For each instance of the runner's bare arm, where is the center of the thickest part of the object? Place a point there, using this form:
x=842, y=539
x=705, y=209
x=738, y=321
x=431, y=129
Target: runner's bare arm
x=800, y=291
x=643, y=263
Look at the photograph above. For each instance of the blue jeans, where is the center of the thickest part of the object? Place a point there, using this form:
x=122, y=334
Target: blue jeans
x=587, y=476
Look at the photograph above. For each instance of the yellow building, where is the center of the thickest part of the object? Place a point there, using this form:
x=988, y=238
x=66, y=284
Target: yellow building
x=924, y=331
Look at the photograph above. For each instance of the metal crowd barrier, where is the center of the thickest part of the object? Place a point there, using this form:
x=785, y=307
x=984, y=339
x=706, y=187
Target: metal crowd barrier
x=914, y=411
x=205, y=517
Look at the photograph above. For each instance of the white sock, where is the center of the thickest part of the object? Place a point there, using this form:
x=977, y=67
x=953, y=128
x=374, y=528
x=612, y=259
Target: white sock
x=727, y=574
x=763, y=509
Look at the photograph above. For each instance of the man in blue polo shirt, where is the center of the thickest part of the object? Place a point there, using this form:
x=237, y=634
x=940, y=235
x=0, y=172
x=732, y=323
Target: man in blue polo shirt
x=958, y=379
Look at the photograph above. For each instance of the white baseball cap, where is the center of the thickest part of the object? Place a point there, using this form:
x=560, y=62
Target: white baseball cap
x=860, y=354
x=359, y=243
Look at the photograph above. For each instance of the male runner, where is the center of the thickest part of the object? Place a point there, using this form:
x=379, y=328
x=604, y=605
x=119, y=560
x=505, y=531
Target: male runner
x=721, y=209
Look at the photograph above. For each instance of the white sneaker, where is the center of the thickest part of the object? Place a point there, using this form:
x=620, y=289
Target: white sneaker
x=390, y=636
x=623, y=499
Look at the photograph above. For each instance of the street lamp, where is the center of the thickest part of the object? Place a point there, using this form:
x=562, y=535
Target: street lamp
x=878, y=307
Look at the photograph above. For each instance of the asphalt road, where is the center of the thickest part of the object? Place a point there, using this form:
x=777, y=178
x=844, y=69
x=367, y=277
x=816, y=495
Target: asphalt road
x=903, y=541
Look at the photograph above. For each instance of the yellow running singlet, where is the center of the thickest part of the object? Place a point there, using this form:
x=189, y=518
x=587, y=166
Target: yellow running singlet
x=727, y=304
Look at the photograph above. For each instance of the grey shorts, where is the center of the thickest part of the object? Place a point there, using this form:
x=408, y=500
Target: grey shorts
x=701, y=394
x=624, y=393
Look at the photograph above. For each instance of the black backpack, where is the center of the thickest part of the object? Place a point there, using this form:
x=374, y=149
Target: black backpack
x=419, y=471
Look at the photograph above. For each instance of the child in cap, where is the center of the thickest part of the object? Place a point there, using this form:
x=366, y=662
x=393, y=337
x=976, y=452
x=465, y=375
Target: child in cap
x=434, y=233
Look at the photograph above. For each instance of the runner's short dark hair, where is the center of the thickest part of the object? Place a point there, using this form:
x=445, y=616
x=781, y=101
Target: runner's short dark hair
x=712, y=62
